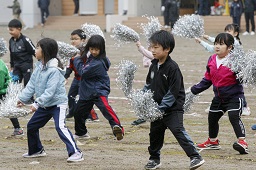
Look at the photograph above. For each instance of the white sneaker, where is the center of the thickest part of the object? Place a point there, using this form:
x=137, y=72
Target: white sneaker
x=117, y=130
x=246, y=111
x=86, y=136
x=76, y=157
x=35, y=155
x=246, y=33
x=252, y=33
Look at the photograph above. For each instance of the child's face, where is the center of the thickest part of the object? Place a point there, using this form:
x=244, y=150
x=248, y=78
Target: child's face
x=94, y=51
x=158, y=51
x=15, y=32
x=38, y=53
x=232, y=32
x=76, y=40
x=221, y=49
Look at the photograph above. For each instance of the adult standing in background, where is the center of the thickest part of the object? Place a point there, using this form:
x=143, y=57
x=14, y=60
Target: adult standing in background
x=44, y=7
x=76, y=2
x=249, y=7
x=203, y=7
x=170, y=9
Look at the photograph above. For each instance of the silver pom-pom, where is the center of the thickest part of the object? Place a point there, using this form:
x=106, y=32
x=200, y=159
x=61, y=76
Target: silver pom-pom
x=248, y=72
x=144, y=105
x=151, y=27
x=91, y=29
x=8, y=106
x=189, y=26
x=189, y=100
x=66, y=51
x=236, y=59
x=123, y=34
x=3, y=47
x=125, y=76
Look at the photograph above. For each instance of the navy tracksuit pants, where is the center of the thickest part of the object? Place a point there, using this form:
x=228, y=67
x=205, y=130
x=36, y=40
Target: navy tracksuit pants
x=40, y=118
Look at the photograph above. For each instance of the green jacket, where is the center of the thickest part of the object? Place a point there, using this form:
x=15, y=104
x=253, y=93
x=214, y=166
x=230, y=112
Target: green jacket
x=4, y=77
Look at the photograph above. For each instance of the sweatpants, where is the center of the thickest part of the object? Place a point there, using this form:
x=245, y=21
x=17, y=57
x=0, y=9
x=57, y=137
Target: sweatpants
x=83, y=109
x=174, y=122
x=40, y=118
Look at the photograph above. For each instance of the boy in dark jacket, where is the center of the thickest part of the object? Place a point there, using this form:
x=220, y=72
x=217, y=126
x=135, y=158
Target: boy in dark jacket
x=165, y=80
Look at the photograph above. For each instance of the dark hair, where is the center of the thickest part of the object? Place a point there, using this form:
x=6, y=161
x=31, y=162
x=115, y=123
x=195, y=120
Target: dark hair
x=49, y=50
x=79, y=32
x=15, y=24
x=96, y=41
x=163, y=38
x=235, y=28
x=225, y=38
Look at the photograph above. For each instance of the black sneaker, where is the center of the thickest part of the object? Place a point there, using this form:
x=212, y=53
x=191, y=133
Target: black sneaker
x=153, y=164
x=196, y=162
x=138, y=121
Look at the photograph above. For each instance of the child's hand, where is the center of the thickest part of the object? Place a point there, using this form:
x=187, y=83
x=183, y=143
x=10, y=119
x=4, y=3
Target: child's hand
x=33, y=109
x=138, y=44
x=198, y=40
x=206, y=37
x=20, y=104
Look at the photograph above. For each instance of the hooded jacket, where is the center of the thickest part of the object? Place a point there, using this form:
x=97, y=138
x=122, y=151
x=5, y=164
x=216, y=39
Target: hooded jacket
x=95, y=80
x=48, y=85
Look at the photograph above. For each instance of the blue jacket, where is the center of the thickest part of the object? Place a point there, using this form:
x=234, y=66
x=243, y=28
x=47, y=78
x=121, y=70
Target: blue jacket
x=236, y=9
x=95, y=81
x=48, y=85
x=43, y=4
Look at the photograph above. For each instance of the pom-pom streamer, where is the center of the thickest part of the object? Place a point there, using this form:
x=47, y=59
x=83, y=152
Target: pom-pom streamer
x=66, y=51
x=125, y=76
x=189, y=100
x=151, y=27
x=123, y=34
x=144, y=105
x=189, y=26
x=8, y=105
x=3, y=47
x=91, y=29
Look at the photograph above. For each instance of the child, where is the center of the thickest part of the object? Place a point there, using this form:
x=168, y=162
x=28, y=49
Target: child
x=228, y=97
x=232, y=29
x=236, y=10
x=77, y=39
x=95, y=79
x=165, y=80
x=48, y=84
x=21, y=51
x=4, y=80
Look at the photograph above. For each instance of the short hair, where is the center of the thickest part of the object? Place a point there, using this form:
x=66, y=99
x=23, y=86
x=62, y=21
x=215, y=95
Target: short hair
x=15, y=23
x=79, y=32
x=163, y=38
x=225, y=38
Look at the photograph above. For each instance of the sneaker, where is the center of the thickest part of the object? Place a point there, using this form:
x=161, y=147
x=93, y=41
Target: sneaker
x=241, y=146
x=117, y=130
x=85, y=136
x=196, y=162
x=246, y=33
x=153, y=164
x=92, y=120
x=76, y=157
x=246, y=111
x=18, y=132
x=138, y=121
x=35, y=155
x=209, y=145
x=252, y=33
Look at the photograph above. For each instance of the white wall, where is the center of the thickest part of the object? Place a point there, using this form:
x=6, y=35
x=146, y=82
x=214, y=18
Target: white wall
x=5, y=13
x=30, y=12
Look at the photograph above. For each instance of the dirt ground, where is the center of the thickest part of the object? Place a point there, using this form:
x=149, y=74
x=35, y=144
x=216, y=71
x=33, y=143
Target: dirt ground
x=102, y=151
